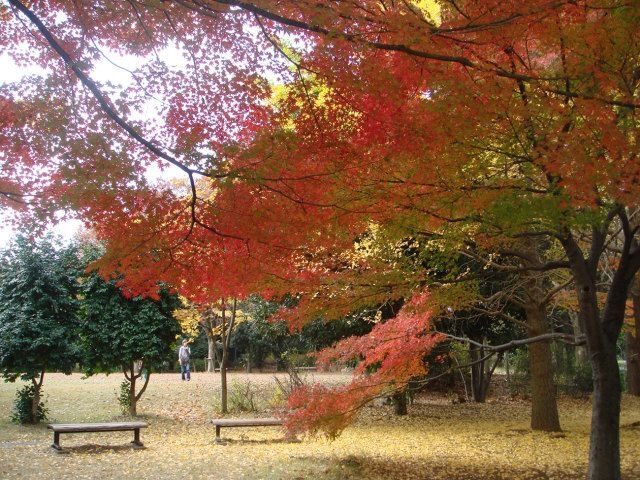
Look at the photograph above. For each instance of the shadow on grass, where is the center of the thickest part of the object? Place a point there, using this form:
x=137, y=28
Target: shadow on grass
x=248, y=441
x=360, y=467
x=91, y=449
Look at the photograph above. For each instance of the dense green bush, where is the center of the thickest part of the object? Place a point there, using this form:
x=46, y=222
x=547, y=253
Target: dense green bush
x=22, y=408
x=124, y=397
x=197, y=365
x=573, y=375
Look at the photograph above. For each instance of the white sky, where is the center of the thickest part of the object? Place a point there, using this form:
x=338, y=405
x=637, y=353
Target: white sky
x=9, y=72
x=116, y=69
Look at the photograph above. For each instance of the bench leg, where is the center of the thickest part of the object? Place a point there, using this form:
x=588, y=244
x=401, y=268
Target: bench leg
x=136, y=437
x=218, y=439
x=56, y=441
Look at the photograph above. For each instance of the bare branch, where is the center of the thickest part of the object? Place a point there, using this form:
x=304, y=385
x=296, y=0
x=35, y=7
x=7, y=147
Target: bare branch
x=551, y=293
x=563, y=337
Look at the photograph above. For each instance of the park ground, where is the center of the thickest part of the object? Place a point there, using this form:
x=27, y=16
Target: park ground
x=438, y=440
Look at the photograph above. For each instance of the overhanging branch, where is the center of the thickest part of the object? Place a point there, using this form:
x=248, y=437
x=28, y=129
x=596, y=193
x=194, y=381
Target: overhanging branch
x=105, y=106
x=103, y=101
x=546, y=337
x=493, y=68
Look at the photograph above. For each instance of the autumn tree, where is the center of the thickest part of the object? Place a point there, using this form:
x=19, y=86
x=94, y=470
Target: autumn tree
x=511, y=120
x=194, y=317
x=532, y=274
x=386, y=360
x=38, y=312
x=218, y=320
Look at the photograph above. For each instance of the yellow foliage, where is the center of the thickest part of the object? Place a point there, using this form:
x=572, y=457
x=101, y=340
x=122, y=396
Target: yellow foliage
x=188, y=318
x=429, y=8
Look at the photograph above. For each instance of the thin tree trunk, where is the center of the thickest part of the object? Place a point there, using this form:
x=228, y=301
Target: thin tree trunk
x=211, y=353
x=400, y=402
x=144, y=386
x=35, y=402
x=226, y=342
x=481, y=372
x=132, y=396
x=223, y=365
x=578, y=330
x=507, y=369
x=478, y=383
x=131, y=376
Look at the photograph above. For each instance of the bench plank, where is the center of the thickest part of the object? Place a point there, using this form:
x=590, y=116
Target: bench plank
x=59, y=428
x=243, y=422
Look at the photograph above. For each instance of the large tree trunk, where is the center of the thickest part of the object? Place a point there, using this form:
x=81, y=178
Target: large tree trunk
x=399, y=399
x=602, y=330
x=535, y=298
x=633, y=346
x=604, y=449
x=544, y=407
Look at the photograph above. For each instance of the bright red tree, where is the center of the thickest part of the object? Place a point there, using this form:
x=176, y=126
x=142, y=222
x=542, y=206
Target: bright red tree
x=387, y=359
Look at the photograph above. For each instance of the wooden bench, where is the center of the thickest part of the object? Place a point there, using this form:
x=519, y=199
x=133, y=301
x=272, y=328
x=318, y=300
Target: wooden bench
x=59, y=428
x=243, y=422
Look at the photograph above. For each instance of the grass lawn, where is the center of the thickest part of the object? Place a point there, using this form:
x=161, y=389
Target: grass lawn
x=437, y=440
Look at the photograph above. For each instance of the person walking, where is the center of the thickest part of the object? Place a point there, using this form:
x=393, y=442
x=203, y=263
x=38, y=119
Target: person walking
x=184, y=355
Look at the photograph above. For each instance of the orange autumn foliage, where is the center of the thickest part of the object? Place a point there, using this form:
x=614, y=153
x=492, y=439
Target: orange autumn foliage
x=386, y=360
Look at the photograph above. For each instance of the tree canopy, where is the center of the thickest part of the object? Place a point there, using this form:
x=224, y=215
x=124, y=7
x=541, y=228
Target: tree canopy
x=134, y=335
x=38, y=309
x=117, y=330
x=38, y=314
